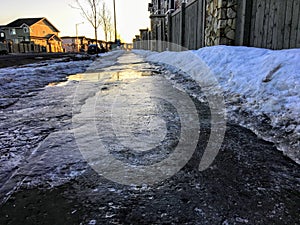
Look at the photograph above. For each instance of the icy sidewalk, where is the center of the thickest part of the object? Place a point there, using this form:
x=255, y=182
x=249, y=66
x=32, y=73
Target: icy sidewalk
x=260, y=86
x=248, y=182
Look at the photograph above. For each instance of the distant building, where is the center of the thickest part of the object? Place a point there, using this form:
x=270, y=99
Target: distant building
x=75, y=44
x=38, y=31
x=79, y=44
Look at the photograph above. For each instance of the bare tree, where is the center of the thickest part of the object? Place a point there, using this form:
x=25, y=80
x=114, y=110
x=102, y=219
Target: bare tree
x=111, y=31
x=90, y=10
x=105, y=17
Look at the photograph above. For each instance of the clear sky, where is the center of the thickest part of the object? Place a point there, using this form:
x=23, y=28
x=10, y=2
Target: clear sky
x=132, y=15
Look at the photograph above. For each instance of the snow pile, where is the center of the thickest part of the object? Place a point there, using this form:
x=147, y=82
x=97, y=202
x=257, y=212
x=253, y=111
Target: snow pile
x=260, y=87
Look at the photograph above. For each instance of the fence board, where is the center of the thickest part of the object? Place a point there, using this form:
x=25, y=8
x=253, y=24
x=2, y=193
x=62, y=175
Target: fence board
x=191, y=26
x=275, y=24
x=288, y=24
x=295, y=24
x=259, y=20
x=253, y=20
x=281, y=18
x=271, y=25
x=266, y=22
x=176, y=27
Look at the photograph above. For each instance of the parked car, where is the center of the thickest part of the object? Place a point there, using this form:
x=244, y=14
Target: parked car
x=94, y=49
x=3, y=49
x=3, y=52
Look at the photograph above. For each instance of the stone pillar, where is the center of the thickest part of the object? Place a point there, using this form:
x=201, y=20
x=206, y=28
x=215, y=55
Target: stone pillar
x=221, y=18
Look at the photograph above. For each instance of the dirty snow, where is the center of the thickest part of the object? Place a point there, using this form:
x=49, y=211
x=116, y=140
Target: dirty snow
x=18, y=82
x=260, y=87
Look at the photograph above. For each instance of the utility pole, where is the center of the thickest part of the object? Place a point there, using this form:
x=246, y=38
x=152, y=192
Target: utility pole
x=77, y=44
x=115, y=20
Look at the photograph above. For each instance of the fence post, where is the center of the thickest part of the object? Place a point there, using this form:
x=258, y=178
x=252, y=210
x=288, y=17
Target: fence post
x=182, y=41
x=149, y=40
x=169, y=31
x=201, y=15
x=243, y=25
x=163, y=34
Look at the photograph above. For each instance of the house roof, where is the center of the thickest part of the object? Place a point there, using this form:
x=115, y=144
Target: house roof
x=20, y=22
x=29, y=22
x=52, y=36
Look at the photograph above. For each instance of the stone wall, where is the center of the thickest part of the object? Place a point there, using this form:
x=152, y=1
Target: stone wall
x=220, y=22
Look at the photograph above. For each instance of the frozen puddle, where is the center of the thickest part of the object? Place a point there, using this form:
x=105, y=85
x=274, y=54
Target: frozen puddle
x=134, y=122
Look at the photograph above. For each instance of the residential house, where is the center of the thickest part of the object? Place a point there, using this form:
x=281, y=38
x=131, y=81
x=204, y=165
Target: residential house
x=75, y=44
x=2, y=34
x=80, y=43
x=37, y=31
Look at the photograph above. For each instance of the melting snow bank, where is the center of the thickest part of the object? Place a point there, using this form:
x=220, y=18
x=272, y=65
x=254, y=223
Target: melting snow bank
x=260, y=87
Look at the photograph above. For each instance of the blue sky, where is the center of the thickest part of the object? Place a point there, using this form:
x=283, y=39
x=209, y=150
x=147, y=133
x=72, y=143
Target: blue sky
x=132, y=15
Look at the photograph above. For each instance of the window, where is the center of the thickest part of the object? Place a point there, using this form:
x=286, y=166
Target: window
x=25, y=30
x=13, y=31
x=2, y=35
x=172, y=4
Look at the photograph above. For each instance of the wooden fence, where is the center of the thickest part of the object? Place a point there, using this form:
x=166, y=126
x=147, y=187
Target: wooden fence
x=194, y=25
x=187, y=25
x=22, y=48
x=176, y=28
x=273, y=24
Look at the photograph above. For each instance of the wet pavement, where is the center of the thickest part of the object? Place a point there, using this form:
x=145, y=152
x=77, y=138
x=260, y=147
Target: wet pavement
x=59, y=146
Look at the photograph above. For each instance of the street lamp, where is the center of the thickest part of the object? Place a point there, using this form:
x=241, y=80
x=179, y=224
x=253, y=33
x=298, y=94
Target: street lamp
x=115, y=20
x=76, y=26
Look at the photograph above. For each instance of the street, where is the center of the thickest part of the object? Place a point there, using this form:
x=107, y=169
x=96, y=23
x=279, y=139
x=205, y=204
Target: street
x=25, y=58
x=121, y=144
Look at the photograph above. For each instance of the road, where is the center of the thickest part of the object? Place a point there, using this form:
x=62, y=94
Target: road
x=119, y=144
x=25, y=58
